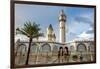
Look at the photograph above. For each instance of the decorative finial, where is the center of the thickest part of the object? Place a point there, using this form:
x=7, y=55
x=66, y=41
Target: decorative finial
x=62, y=16
x=50, y=27
x=61, y=12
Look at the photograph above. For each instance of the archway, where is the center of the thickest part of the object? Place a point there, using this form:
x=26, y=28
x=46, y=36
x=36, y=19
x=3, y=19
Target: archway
x=20, y=54
x=34, y=49
x=45, y=53
x=45, y=48
x=71, y=49
x=60, y=52
x=66, y=50
x=91, y=51
x=81, y=47
x=82, y=51
x=55, y=50
x=91, y=47
x=33, y=53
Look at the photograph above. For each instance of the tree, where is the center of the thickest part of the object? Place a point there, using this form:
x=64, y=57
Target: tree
x=31, y=30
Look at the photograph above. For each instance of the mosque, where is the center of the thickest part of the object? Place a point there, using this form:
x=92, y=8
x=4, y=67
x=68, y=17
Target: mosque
x=48, y=50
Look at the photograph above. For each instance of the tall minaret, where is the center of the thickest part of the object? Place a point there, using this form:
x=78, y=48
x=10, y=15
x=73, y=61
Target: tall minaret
x=49, y=32
x=62, y=20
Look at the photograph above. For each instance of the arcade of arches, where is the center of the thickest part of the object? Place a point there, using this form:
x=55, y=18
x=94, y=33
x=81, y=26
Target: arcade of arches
x=43, y=52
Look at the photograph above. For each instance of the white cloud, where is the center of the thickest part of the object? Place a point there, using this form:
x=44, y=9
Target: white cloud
x=21, y=37
x=85, y=35
x=71, y=36
x=24, y=38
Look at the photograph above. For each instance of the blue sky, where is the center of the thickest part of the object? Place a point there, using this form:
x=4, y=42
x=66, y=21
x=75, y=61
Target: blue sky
x=79, y=22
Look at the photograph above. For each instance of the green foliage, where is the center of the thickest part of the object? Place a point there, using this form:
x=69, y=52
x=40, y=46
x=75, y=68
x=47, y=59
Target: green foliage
x=31, y=30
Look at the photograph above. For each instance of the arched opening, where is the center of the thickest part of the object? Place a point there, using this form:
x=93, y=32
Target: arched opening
x=34, y=49
x=82, y=51
x=33, y=53
x=60, y=52
x=71, y=49
x=91, y=52
x=45, y=48
x=66, y=51
x=66, y=54
x=91, y=47
x=20, y=54
x=55, y=50
x=45, y=53
x=81, y=47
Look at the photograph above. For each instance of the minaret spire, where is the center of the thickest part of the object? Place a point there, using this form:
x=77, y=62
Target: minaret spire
x=49, y=33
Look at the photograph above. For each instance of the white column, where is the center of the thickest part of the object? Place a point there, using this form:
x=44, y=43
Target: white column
x=62, y=32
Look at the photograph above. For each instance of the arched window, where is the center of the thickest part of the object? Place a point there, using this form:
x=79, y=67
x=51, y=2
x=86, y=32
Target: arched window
x=81, y=47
